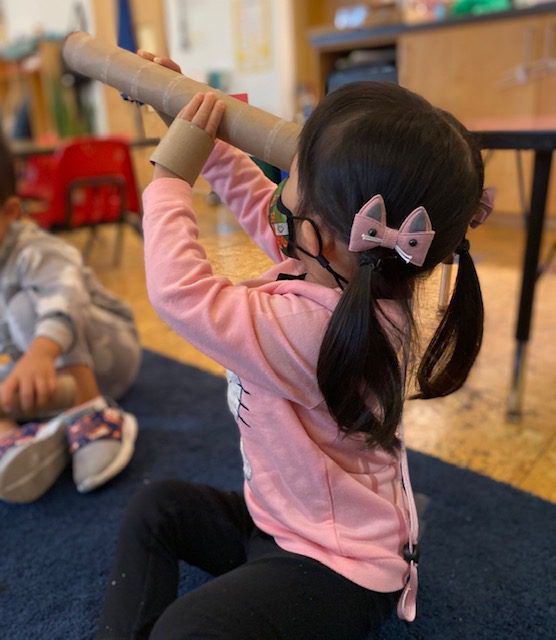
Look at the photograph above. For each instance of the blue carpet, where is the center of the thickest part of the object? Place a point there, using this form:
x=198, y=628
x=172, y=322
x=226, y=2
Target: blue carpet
x=488, y=554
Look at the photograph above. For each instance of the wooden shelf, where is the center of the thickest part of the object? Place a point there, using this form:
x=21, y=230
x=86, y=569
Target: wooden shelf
x=35, y=79
x=465, y=65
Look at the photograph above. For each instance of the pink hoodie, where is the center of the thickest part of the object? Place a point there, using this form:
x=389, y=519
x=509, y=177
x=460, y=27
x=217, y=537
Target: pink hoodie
x=316, y=492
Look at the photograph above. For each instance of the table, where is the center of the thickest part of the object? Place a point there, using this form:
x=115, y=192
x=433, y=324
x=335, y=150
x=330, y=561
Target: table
x=538, y=135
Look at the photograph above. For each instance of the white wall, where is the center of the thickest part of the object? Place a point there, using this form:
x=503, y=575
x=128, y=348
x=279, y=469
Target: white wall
x=212, y=47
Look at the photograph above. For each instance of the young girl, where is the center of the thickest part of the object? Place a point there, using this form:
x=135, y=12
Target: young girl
x=323, y=542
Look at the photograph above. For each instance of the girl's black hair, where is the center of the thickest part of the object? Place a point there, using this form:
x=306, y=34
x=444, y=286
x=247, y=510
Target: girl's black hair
x=371, y=138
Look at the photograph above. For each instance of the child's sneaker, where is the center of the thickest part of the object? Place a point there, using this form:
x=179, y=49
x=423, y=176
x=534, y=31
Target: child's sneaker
x=31, y=459
x=101, y=441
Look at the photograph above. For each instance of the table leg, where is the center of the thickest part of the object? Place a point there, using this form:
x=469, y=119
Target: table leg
x=535, y=223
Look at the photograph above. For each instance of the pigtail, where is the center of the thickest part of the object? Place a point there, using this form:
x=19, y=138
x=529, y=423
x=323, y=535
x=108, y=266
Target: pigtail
x=374, y=139
x=457, y=340
x=358, y=370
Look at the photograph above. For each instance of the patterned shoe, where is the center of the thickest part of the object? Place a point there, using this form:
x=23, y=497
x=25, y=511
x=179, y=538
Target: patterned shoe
x=101, y=441
x=31, y=459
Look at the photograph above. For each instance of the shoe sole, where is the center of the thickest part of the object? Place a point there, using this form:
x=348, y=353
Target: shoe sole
x=118, y=464
x=27, y=471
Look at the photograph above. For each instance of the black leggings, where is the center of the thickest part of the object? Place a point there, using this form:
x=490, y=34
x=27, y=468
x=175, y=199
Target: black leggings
x=260, y=591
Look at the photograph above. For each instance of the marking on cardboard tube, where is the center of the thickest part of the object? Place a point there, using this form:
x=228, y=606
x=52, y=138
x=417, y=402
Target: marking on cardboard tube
x=135, y=89
x=169, y=93
x=233, y=122
x=106, y=67
x=269, y=142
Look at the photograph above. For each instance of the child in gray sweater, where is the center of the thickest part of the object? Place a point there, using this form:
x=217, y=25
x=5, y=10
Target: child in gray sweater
x=56, y=319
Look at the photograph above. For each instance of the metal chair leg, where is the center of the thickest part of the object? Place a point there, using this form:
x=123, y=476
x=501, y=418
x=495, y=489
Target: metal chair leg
x=118, y=246
x=89, y=244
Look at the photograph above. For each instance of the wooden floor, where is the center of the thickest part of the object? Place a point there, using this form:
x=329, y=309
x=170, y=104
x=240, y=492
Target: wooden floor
x=468, y=428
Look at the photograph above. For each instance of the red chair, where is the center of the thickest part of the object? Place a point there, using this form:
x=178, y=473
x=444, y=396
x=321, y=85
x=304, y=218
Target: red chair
x=87, y=182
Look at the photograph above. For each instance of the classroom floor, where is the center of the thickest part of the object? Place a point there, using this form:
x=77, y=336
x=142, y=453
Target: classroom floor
x=469, y=428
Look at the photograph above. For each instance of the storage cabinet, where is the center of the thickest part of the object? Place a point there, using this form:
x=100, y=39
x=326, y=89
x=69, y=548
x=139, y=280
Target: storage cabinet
x=502, y=65
x=546, y=69
x=547, y=90
x=497, y=68
x=474, y=71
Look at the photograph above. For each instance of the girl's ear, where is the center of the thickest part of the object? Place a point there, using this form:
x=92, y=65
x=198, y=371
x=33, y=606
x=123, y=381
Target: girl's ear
x=307, y=238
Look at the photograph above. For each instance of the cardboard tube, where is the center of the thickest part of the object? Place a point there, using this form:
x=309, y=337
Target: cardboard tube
x=64, y=397
x=184, y=135
x=253, y=130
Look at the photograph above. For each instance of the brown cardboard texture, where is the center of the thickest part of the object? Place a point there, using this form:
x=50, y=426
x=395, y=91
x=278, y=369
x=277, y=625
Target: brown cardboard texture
x=253, y=130
x=181, y=135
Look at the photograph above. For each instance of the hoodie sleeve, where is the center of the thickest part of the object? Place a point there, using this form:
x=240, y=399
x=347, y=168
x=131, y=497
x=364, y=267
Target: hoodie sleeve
x=246, y=191
x=54, y=282
x=264, y=333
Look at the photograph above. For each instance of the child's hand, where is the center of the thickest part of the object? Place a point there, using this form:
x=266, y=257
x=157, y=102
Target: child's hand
x=33, y=378
x=204, y=110
x=165, y=62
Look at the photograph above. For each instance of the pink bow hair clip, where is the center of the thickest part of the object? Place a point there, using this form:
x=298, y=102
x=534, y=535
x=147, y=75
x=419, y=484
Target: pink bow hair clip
x=411, y=241
x=486, y=205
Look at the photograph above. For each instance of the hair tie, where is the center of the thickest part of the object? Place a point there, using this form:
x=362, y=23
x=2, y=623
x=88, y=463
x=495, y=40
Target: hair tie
x=463, y=247
x=411, y=241
x=368, y=260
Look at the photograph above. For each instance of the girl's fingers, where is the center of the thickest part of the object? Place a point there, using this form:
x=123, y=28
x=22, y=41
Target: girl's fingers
x=191, y=108
x=164, y=62
x=215, y=118
x=205, y=111
x=202, y=116
x=145, y=54
x=167, y=62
